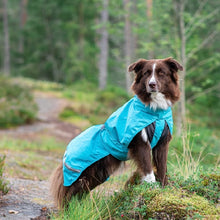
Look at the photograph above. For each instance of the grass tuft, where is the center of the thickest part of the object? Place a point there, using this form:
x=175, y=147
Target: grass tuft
x=187, y=163
x=91, y=206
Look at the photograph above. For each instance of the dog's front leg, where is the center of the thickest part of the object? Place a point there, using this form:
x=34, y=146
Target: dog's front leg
x=140, y=152
x=160, y=153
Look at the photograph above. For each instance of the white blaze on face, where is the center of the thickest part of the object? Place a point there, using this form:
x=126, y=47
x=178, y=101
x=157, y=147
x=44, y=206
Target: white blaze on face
x=152, y=79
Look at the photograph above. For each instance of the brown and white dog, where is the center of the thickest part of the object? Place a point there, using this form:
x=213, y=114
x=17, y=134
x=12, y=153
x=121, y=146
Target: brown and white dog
x=156, y=85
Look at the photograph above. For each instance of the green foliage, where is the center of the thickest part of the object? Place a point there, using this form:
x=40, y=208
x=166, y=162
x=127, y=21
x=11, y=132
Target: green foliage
x=3, y=184
x=16, y=104
x=59, y=42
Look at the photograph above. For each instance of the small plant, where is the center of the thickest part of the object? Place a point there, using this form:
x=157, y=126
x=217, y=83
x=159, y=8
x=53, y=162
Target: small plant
x=3, y=183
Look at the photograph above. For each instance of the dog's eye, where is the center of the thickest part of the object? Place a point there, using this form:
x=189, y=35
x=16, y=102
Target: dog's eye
x=148, y=72
x=162, y=73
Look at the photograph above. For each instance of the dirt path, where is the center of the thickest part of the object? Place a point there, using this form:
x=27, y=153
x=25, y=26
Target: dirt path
x=29, y=199
x=49, y=108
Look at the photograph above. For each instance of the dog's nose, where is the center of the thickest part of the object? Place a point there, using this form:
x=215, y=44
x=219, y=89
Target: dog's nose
x=152, y=85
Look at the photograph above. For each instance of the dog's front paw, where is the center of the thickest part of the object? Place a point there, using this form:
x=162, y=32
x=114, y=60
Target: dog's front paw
x=149, y=178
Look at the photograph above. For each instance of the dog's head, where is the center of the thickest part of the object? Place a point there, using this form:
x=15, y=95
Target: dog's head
x=156, y=81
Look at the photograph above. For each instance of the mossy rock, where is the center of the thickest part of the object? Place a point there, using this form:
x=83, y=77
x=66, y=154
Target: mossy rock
x=178, y=204
x=146, y=202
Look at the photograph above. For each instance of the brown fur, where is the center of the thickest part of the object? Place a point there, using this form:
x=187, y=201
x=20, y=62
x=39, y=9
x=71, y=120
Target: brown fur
x=139, y=151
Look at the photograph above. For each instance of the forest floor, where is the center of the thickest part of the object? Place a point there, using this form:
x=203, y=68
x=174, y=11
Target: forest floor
x=29, y=198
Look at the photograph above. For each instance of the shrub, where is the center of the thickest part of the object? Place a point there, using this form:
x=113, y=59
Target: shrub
x=3, y=183
x=17, y=105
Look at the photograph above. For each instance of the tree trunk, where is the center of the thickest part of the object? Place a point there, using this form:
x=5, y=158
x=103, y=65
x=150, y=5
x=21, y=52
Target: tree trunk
x=103, y=59
x=81, y=31
x=149, y=13
x=6, y=39
x=134, y=37
x=127, y=44
x=181, y=113
x=23, y=19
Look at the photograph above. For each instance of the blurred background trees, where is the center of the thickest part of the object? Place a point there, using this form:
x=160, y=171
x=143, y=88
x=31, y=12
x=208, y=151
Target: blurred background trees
x=67, y=41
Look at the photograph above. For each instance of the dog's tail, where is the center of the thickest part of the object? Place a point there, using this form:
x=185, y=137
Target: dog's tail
x=58, y=191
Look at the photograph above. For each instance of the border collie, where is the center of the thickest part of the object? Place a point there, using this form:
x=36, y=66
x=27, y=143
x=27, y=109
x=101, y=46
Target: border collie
x=141, y=126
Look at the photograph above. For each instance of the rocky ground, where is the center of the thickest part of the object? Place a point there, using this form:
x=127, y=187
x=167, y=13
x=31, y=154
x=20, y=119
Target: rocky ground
x=29, y=199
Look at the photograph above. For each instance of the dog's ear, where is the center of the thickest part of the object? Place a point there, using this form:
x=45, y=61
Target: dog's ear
x=137, y=66
x=173, y=64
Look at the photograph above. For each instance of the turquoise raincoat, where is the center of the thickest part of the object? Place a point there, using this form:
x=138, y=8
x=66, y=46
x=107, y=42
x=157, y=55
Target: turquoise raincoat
x=113, y=137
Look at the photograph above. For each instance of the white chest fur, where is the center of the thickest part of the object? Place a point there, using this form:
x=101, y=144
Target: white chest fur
x=159, y=101
x=144, y=135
